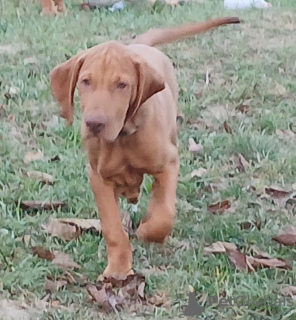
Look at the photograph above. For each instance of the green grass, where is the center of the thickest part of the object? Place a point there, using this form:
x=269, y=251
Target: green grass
x=248, y=64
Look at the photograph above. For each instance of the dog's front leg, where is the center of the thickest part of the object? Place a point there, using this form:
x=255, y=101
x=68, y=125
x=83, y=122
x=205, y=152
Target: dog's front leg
x=117, y=242
x=156, y=226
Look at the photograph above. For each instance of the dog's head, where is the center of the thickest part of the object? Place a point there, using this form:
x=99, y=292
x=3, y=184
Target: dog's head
x=112, y=84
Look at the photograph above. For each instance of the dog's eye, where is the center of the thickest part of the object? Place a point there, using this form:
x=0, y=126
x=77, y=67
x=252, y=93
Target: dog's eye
x=121, y=85
x=86, y=82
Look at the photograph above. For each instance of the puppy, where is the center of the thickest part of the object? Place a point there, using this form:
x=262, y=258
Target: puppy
x=128, y=97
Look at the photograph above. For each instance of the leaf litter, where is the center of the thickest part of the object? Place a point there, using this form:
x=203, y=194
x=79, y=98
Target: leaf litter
x=243, y=262
x=129, y=293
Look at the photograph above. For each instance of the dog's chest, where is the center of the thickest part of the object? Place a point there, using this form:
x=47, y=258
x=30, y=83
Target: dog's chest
x=126, y=165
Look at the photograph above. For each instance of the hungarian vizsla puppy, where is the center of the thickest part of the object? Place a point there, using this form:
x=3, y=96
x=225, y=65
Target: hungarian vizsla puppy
x=128, y=97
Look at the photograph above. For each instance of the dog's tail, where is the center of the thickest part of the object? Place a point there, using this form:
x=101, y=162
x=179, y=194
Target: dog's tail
x=154, y=37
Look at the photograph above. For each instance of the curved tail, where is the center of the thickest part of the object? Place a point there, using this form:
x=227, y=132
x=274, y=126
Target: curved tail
x=154, y=37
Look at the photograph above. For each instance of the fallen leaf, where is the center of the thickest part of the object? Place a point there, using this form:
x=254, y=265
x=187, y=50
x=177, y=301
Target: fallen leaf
x=61, y=259
x=243, y=108
x=285, y=134
x=160, y=299
x=126, y=221
x=53, y=286
x=289, y=291
x=220, y=207
x=45, y=205
x=40, y=176
x=110, y=292
x=269, y=263
x=55, y=303
x=64, y=261
x=244, y=262
x=227, y=127
x=240, y=260
x=279, y=90
x=66, y=231
x=248, y=225
x=99, y=295
x=219, y=247
x=42, y=253
x=194, y=147
x=287, y=237
x=198, y=172
x=33, y=156
x=276, y=193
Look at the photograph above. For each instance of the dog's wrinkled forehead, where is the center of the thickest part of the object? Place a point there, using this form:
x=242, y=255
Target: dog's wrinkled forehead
x=107, y=62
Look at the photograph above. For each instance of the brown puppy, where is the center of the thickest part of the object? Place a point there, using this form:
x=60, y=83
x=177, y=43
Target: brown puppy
x=52, y=7
x=129, y=107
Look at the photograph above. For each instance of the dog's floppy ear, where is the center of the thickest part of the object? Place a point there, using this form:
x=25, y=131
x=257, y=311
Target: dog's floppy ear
x=149, y=83
x=63, y=80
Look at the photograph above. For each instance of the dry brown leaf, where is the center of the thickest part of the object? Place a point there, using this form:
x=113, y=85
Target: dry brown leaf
x=248, y=225
x=276, y=193
x=289, y=291
x=126, y=221
x=239, y=162
x=55, y=303
x=40, y=176
x=194, y=147
x=240, y=260
x=62, y=260
x=66, y=231
x=198, y=172
x=227, y=127
x=160, y=299
x=45, y=205
x=285, y=134
x=220, y=207
x=243, y=108
x=84, y=224
x=287, y=237
x=244, y=262
x=53, y=286
x=42, y=253
x=111, y=292
x=33, y=156
x=269, y=263
x=219, y=247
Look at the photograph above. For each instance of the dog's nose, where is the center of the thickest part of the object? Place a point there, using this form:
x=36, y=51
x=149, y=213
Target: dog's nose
x=95, y=123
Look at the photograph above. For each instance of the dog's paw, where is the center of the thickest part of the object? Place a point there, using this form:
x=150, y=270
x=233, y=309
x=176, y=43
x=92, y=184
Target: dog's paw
x=149, y=231
x=117, y=272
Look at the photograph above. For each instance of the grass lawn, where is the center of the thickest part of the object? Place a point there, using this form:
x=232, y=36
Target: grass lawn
x=252, y=64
